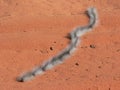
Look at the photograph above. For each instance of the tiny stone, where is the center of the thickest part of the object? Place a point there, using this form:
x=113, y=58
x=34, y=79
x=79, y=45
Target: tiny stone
x=24, y=31
x=96, y=76
x=51, y=48
x=54, y=41
x=99, y=66
x=92, y=46
x=35, y=49
x=77, y=64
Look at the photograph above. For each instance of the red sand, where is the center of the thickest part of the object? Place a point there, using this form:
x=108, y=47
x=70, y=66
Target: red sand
x=28, y=28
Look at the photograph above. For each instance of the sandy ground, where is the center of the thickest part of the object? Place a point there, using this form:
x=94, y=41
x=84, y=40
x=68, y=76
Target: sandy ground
x=28, y=28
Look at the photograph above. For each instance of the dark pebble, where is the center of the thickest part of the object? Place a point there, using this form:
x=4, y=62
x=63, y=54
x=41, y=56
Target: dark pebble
x=92, y=46
x=51, y=48
x=77, y=64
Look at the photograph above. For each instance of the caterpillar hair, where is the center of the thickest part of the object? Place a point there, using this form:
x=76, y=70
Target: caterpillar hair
x=59, y=58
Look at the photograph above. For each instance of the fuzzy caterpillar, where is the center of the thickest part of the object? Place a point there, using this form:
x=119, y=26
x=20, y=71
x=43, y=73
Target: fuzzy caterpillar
x=74, y=36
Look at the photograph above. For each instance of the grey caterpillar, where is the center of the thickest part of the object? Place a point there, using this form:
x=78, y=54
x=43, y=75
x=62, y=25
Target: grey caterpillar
x=74, y=37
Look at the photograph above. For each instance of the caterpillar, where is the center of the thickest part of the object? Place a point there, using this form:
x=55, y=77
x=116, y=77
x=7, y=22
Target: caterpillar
x=63, y=55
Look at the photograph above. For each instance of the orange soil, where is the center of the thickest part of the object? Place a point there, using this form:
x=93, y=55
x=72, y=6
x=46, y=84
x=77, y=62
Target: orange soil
x=28, y=28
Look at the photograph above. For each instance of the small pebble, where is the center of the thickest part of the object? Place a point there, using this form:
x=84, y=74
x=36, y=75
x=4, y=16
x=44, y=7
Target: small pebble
x=77, y=64
x=92, y=46
x=51, y=48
